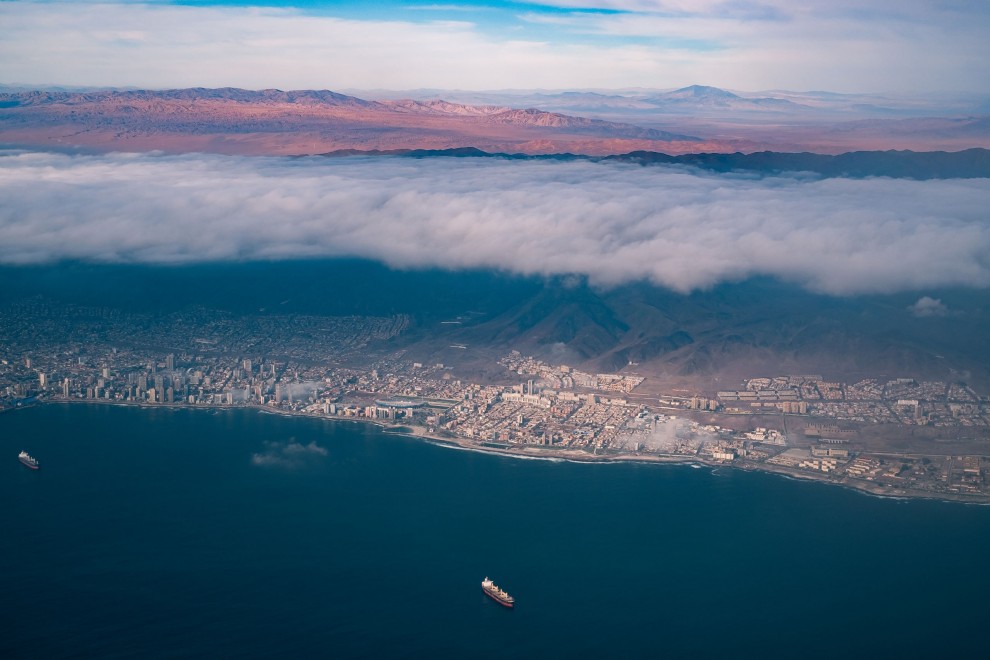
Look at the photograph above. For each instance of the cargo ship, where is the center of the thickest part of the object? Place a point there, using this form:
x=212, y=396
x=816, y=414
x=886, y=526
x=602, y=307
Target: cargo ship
x=496, y=594
x=29, y=460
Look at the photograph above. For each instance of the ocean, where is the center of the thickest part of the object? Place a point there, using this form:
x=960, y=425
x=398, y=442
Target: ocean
x=190, y=533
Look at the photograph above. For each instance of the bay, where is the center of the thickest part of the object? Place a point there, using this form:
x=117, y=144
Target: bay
x=193, y=533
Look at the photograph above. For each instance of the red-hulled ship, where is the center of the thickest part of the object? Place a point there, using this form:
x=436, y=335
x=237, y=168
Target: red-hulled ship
x=28, y=460
x=496, y=594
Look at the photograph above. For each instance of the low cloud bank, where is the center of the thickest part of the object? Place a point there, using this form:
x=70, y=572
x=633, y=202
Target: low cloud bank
x=611, y=222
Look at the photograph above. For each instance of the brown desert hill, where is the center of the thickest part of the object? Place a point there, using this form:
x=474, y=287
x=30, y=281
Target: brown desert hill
x=707, y=340
x=536, y=118
x=759, y=327
x=440, y=107
x=275, y=122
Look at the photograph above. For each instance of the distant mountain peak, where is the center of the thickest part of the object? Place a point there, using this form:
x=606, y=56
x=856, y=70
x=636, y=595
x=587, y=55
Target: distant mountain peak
x=708, y=99
x=701, y=92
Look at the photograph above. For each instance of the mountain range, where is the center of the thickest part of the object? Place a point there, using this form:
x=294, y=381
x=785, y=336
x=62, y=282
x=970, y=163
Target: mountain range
x=239, y=121
x=694, y=119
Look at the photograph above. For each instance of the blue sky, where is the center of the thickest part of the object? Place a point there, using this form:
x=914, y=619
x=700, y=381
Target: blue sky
x=838, y=45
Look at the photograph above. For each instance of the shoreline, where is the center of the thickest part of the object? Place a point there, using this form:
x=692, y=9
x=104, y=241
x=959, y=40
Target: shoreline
x=565, y=455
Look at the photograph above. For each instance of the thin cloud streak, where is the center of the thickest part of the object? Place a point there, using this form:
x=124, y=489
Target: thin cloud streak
x=611, y=222
x=863, y=47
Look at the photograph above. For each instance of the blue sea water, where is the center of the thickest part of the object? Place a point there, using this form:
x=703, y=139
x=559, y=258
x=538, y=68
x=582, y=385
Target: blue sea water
x=159, y=533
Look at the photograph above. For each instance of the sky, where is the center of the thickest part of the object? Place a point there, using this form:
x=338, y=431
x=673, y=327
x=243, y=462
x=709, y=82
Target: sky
x=920, y=46
x=610, y=222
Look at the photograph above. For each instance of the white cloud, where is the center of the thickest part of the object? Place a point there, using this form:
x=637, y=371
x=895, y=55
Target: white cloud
x=288, y=455
x=612, y=222
x=850, y=46
x=741, y=45
x=927, y=306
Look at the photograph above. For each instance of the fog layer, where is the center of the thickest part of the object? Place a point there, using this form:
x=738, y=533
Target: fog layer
x=611, y=222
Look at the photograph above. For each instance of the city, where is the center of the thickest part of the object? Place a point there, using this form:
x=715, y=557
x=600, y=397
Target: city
x=897, y=437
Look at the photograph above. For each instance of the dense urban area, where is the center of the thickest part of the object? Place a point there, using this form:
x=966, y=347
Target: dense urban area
x=891, y=436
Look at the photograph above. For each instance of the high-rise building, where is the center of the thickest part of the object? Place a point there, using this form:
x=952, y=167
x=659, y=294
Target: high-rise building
x=170, y=362
x=42, y=380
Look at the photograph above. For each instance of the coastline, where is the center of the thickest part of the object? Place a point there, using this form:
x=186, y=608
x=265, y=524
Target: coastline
x=565, y=455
